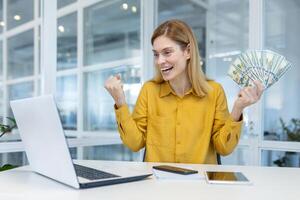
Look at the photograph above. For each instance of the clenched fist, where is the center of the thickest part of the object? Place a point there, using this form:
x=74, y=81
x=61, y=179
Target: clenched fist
x=247, y=96
x=114, y=86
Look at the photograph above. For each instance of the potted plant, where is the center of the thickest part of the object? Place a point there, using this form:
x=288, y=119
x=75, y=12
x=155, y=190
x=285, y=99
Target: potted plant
x=292, y=130
x=7, y=128
x=4, y=129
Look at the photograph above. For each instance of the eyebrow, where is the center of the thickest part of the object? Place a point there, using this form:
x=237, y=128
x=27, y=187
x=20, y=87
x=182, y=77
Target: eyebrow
x=166, y=48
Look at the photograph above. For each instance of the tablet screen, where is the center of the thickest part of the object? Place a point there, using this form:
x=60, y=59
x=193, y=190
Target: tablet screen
x=226, y=177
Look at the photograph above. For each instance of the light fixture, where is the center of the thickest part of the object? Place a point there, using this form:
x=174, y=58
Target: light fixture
x=224, y=54
x=227, y=59
x=133, y=9
x=125, y=6
x=2, y=23
x=61, y=28
x=17, y=17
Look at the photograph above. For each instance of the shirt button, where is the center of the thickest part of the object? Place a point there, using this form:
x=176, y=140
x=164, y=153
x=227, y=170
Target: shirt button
x=178, y=123
x=178, y=142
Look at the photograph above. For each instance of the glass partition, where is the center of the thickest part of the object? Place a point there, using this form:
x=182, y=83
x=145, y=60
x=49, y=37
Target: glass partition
x=63, y=3
x=2, y=23
x=282, y=100
x=111, y=31
x=66, y=98
x=2, y=106
x=16, y=14
x=240, y=156
x=109, y=152
x=1, y=61
x=67, y=42
x=280, y=158
x=20, y=55
x=14, y=159
x=20, y=90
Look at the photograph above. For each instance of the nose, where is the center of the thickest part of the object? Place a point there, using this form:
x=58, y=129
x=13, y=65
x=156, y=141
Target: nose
x=160, y=60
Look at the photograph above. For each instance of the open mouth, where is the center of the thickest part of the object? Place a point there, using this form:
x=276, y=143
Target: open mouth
x=166, y=70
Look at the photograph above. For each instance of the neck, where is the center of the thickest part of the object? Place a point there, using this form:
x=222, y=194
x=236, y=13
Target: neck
x=181, y=84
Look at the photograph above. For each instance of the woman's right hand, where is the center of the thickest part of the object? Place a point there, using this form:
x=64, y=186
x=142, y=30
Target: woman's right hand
x=114, y=86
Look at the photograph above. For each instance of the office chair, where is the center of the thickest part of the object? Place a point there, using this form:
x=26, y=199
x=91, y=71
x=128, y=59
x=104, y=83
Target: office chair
x=144, y=154
x=219, y=159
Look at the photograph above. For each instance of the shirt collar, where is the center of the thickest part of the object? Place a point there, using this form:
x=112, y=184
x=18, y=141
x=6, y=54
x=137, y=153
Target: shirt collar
x=165, y=89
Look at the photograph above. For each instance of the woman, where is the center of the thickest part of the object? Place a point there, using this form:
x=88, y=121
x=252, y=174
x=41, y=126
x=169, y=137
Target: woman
x=180, y=115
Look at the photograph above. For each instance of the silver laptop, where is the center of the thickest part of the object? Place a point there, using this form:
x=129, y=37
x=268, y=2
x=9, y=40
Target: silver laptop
x=47, y=150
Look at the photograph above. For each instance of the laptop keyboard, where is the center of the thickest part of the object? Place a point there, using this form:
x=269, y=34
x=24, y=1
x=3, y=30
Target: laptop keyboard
x=92, y=174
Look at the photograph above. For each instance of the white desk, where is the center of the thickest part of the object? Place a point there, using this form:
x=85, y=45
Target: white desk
x=268, y=183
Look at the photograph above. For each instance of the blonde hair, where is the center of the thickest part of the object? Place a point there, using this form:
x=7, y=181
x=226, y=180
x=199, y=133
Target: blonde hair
x=181, y=33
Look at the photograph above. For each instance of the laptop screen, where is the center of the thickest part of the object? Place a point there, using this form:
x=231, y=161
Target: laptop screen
x=43, y=138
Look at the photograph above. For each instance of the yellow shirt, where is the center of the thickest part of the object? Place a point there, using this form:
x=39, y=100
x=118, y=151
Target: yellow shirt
x=190, y=129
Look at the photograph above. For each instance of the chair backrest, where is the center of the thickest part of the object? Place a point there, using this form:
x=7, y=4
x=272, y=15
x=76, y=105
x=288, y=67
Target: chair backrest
x=144, y=156
x=219, y=159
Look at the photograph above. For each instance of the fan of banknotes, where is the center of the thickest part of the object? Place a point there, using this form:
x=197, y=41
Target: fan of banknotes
x=263, y=65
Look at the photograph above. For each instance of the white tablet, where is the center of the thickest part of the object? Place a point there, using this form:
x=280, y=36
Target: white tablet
x=221, y=177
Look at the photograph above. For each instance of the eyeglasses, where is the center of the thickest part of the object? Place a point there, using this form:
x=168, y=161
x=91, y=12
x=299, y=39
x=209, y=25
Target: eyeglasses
x=165, y=53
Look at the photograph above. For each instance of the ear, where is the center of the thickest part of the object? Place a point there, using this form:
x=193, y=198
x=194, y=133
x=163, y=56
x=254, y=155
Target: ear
x=187, y=51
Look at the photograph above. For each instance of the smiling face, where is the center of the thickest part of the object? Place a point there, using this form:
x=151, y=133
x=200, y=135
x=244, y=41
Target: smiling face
x=170, y=58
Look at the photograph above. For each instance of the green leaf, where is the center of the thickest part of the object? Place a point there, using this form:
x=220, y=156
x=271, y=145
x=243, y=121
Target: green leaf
x=7, y=167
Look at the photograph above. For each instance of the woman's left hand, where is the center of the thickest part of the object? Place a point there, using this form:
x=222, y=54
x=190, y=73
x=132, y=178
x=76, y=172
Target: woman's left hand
x=249, y=95
x=246, y=97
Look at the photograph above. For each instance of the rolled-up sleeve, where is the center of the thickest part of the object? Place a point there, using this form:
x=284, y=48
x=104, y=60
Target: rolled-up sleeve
x=132, y=127
x=226, y=132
